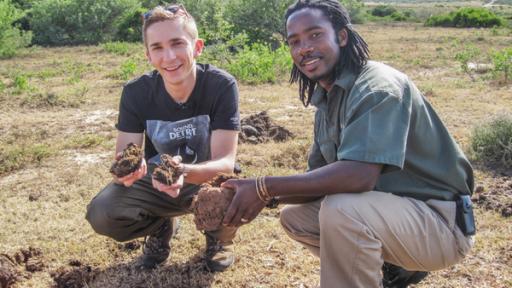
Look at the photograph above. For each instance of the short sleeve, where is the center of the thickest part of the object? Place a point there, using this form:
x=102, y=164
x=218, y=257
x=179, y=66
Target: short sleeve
x=227, y=114
x=376, y=129
x=129, y=120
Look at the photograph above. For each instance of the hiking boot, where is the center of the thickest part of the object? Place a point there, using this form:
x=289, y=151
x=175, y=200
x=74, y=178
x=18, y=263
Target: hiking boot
x=156, y=246
x=219, y=256
x=397, y=277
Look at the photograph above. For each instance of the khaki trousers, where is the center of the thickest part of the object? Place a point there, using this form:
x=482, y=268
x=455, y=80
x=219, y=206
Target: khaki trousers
x=125, y=213
x=353, y=234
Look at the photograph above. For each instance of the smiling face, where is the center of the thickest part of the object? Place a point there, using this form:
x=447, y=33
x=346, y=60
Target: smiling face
x=313, y=44
x=172, y=51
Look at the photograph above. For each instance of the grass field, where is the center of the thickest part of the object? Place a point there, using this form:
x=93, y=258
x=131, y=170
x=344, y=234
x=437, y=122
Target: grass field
x=58, y=108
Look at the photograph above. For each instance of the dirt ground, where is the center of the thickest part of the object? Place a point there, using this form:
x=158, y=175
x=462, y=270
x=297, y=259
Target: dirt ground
x=58, y=140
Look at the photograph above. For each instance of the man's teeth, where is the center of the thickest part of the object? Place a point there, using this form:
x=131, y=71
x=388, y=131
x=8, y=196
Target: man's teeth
x=311, y=61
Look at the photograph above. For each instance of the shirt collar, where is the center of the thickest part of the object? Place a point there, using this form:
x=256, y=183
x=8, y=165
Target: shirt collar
x=345, y=81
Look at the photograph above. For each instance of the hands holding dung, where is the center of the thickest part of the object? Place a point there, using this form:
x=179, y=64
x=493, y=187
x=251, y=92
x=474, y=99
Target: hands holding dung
x=130, y=166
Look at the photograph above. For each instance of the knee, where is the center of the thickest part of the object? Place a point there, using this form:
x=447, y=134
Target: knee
x=101, y=216
x=287, y=216
x=341, y=208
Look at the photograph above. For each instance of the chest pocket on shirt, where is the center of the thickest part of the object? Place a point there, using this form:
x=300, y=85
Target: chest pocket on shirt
x=189, y=138
x=328, y=137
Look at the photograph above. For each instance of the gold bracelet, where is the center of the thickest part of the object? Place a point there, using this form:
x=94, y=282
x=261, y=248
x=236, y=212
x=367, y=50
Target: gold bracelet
x=263, y=190
x=264, y=185
x=256, y=182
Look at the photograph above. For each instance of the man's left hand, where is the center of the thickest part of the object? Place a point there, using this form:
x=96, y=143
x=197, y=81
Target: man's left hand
x=246, y=204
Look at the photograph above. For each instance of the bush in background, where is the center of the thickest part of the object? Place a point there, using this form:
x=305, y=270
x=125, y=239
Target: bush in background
x=492, y=142
x=11, y=37
x=502, y=61
x=467, y=17
x=383, y=10
x=71, y=22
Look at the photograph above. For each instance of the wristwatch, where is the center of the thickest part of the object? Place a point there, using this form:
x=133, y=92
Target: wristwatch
x=273, y=203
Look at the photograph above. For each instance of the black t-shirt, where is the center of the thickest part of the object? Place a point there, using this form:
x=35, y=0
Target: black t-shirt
x=175, y=128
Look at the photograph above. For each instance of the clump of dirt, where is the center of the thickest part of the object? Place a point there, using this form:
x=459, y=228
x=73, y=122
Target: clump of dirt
x=77, y=277
x=167, y=172
x=11, y=269
x=129, y=161
x=31, y=258
x=259, y=128
x=9, y=273
x=497, y=197
x=211, y=202
x=129, y=246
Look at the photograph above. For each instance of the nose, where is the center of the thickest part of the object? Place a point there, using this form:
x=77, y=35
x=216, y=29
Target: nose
x=169, y=54
x=305, y=50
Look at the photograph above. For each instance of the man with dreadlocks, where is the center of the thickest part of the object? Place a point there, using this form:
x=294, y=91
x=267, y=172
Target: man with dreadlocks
x=384, y=176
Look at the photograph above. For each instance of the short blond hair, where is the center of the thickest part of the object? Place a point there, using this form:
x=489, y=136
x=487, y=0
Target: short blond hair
x=171, y=12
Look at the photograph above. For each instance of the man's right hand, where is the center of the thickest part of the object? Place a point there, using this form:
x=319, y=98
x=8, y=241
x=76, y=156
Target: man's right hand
x=129, y=179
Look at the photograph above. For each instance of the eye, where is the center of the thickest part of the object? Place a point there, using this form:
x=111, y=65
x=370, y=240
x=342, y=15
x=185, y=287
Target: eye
x=293, y=42
x=316, y=35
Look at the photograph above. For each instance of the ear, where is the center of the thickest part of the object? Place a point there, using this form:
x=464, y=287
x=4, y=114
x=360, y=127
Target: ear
x=147, y=55
x=198, y=48
x=343, y=37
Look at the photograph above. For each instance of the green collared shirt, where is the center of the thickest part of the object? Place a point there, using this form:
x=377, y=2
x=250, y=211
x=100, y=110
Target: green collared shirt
x=379, y=116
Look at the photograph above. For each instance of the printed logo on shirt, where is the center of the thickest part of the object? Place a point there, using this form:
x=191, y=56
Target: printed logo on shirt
x=184, y=132
x=189, y=138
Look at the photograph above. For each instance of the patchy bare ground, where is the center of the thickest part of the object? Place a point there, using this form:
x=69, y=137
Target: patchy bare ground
x=42, y=201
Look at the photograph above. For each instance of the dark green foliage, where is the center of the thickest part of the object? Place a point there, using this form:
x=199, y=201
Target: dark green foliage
x=65, y=22
x=261, y=20
x=466, y=17
x=492, y=142
x=11, y=37
x=130, y=26
x=383, y=10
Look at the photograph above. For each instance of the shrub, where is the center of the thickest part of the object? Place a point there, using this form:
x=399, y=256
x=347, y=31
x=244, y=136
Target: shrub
x=492, y=142
x=502, y=61
x=129, y=27
x=11, y=37
x=261, y=20
x=398, y=16
x=383, y=10
x=257, y=63
x=466, y=55
x=64, y=22
x=466, y=17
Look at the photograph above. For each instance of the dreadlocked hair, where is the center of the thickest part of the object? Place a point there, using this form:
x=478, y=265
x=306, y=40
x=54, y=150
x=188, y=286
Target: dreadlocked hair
x=353, y=56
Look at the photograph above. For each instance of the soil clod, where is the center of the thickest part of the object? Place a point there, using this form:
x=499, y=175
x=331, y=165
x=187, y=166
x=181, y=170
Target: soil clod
x=129, y=162
x=259, y=128
x=9, y=273
x=497, y=197
x=167, y=172
x=129, y=246
x=211, y=202
x=76, y=277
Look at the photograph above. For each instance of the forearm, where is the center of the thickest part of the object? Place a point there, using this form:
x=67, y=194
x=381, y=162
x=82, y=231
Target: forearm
x=337, y=177
x=205, y=171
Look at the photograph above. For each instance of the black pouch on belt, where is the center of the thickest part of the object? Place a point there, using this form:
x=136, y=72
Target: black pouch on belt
x=465, y=218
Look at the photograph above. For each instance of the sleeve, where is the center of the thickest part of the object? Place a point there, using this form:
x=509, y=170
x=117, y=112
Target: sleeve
x=376, y=130
x=227, y=114
x=129, y=119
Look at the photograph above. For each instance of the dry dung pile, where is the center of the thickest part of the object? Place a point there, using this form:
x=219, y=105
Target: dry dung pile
x=9, y=273
x=77, y=276
x=11, y=268
x=259, y=128
x=211, y=202
x=129, y=162
x=497, y=197
x=167, y=172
